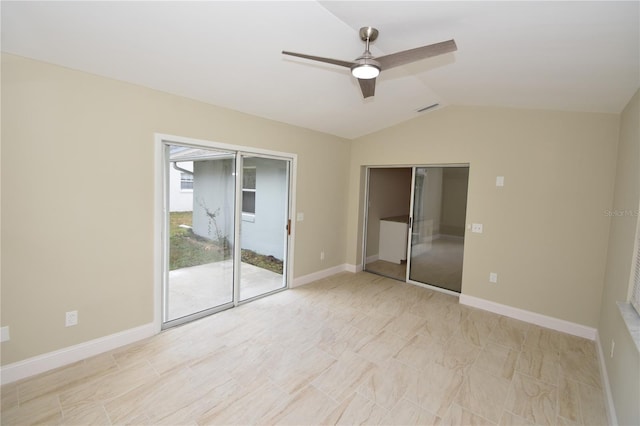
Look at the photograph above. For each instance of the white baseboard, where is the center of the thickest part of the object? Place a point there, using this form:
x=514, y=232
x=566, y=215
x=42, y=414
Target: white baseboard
x=372, y=259
x=530, y=317
x=611, y=410
x=41, y=363
x=306, y=279
x=353, y=268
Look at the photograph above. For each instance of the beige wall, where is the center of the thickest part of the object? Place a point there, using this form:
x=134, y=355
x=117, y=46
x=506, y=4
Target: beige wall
x=624, y=368
x=545, y=231
x=77, y=198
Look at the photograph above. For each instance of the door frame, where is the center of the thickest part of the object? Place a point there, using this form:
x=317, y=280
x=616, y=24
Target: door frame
x=160, y=203
x=365, y=219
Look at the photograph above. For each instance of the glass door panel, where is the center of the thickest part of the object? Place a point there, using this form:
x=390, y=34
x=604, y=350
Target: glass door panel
x=200, y=227
x=438, y=226
x=387, y=221
x=263, y=225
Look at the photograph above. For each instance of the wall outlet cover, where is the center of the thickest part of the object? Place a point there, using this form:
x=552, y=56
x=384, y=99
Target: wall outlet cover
x=71, y=318
x=4, y=334
x=476, y=227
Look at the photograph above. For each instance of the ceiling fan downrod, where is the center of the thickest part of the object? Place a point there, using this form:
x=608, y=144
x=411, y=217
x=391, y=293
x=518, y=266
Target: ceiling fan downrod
x=368, y=35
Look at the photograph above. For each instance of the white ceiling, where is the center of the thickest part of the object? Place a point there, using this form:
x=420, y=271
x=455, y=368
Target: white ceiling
x=578, y=56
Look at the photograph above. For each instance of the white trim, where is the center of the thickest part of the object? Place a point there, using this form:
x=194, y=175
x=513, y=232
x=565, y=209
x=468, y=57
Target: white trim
x=365, y=222
x=314, y=276
x=293, y=178
x=530, y=317
x=248, y=217
x=611, y=409
x=353, y=268
x=45, y=362
x=199, y=143
x=372, y=258
x=159, y=212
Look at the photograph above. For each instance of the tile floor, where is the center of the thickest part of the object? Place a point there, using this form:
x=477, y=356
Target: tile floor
x=439, y=263
x=349, y=349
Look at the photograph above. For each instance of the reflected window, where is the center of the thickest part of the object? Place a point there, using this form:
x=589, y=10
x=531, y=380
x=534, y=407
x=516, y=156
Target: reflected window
x=186, y=181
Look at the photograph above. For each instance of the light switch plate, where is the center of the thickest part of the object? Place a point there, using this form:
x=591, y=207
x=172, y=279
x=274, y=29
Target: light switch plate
x=71, y=318
x=500, y=181
x=300, y=217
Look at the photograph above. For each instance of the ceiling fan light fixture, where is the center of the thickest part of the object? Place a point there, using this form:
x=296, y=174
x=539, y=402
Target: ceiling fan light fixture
x=365, y=71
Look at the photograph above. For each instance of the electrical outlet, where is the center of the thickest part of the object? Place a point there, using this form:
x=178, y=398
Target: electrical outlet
x=493, y=277
x=71, y=318
x=476, y=227
x=613, y=345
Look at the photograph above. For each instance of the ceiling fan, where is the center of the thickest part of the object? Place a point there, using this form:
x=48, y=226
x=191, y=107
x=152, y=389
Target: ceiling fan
x=367, y=67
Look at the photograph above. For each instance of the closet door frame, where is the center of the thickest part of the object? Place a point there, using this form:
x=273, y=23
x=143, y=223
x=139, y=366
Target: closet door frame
x=365, y=219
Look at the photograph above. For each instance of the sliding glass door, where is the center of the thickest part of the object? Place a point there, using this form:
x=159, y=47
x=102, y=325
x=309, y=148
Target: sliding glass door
x=415, y=224
x=387, y=224
x=201, y=206
x=438, y=226
x=263, y=226
x=214, y=199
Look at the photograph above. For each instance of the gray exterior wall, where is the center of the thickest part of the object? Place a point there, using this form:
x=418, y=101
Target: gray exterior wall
x=213, y=188
x=266, y=233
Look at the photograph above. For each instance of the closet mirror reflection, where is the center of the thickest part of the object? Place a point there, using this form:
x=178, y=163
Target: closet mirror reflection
x=415, y=224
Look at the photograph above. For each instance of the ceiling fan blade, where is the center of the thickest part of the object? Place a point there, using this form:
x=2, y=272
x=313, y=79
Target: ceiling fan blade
x=339, y=62
x=412, y=55
x=367, y=86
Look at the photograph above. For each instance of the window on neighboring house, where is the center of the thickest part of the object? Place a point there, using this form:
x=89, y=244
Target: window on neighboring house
x=249, y=190
x=186, y=181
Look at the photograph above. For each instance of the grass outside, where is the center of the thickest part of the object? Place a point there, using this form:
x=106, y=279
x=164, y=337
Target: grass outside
x=187, y=249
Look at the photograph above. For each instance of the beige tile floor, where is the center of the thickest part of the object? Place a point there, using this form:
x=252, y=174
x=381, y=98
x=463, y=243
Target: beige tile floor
x=349, y=349
x=440, y=265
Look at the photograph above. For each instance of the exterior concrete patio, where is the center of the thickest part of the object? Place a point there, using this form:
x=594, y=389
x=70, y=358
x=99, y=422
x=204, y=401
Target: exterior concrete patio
x=197, y=288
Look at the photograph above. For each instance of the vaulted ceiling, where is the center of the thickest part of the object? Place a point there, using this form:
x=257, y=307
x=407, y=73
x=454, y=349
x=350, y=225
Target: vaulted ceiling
x=577, y=56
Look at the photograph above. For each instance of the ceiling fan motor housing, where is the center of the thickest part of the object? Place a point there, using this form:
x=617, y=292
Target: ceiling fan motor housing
x=368, y=34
